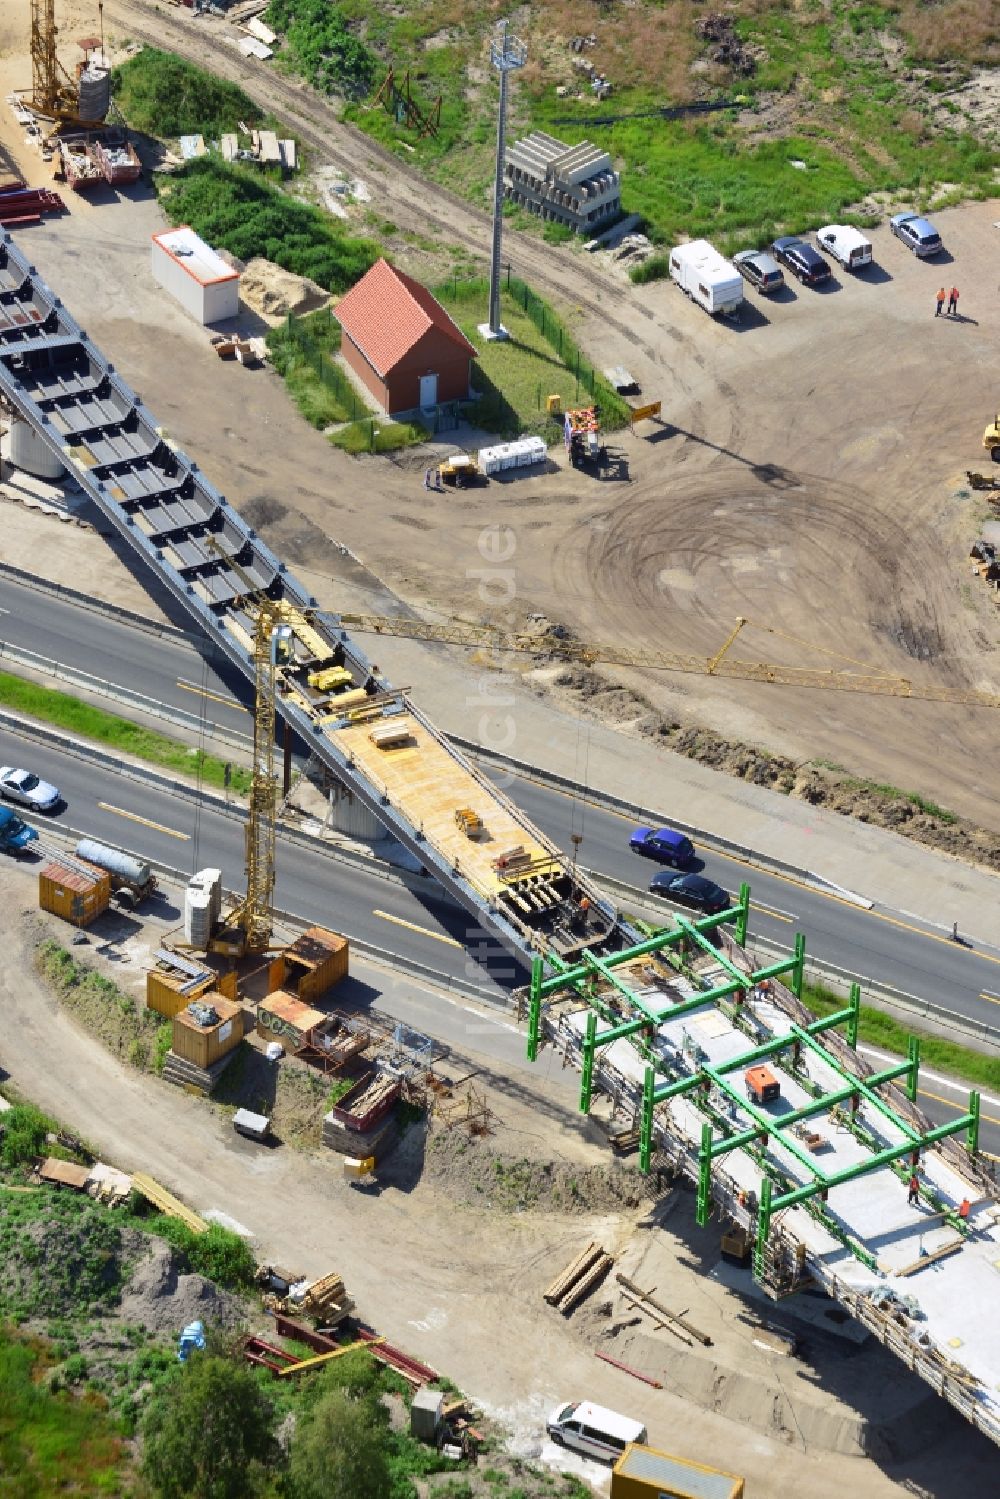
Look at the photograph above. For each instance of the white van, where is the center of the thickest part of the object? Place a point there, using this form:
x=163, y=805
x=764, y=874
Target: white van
x=708, y=279
x=594, y=1431
x=846, y=245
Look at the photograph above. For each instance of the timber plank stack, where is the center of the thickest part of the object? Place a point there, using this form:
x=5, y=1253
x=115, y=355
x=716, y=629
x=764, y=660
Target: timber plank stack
x=579, y=1278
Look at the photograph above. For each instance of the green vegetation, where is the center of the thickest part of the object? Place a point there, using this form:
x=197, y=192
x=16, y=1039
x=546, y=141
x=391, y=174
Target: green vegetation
x=164, y=96
x=882, y=1030
x=515, y=376
x=836, y=109
x=377, y=435
x=235, y=209
x=128, y=1030
x=24, y=1132
x=218, y=1254
x=51, y=1443
x=77, y=717
x=209, y=1432
x=302, y=350
x=60, y=1256
x=320, y=46
x=338, y=1452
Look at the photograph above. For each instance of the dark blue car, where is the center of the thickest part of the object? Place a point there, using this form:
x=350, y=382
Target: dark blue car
x=801, y=259
x=692, y=890
x=662, y=844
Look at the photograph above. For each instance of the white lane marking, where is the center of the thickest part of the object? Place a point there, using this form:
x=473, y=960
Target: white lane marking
x=931, y=1077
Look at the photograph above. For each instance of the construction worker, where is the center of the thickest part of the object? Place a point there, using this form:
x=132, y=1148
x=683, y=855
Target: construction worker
x=963, y=1209
x=427, y=472
x=953, y=300
x=940, y=303
x=913, y=1195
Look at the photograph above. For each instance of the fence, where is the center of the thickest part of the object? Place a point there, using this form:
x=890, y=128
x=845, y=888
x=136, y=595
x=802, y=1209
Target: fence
x=614, y=411
x=314, y=336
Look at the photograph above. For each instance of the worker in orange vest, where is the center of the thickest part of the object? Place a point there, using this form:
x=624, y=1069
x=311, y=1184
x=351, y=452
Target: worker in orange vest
x=953, y=300
x=963, y=1209
x=940, y=303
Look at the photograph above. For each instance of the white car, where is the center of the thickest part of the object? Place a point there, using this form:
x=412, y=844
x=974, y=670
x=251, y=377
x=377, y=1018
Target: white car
x=23, y=787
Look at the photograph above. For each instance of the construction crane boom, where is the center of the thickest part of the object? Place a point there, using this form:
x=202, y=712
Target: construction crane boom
x=455, y=632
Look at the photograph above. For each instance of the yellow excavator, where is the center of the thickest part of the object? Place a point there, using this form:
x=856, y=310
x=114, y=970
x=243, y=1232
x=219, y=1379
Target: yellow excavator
x=991, y=438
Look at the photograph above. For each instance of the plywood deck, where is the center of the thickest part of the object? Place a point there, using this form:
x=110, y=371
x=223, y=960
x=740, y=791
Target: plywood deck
x=428, y=785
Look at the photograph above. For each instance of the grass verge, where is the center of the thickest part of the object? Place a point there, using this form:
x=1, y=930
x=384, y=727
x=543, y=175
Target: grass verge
x=64, y=711
x=882, y=1030
x=302, y=351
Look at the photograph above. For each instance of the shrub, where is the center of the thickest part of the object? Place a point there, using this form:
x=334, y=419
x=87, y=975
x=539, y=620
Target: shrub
x=218, y=1254
x=162, y=95
x=24, y=1132
x=322, y=48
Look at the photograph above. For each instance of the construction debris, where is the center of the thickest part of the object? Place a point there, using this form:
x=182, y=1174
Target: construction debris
x=579, y=1279
x=325, y=1300
x=729, y=50
x=627, y=1369
x=645, y=1299
x=470, y=1108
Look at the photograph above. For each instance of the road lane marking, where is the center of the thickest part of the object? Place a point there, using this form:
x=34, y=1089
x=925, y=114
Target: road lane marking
x=950, y=1104
x=932, y=1077
x=134, y=817
x=424, y=931
x=216, y=697
x=994, y=999
x=756, y=905
x=770, y=873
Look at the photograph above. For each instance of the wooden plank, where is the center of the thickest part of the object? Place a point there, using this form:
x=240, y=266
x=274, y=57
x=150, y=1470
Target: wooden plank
x=167, y=1202
x=688, y=1327
x=640, y=1303
x=562, y=1282
x=929, y=1259
x=586, y=1283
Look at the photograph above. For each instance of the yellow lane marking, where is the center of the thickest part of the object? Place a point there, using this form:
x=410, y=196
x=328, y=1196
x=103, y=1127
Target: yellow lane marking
x=215, y=696
x=412, y=926
x=958, y=1107
x=788, y=879
x=994, y=999
x=134, y=817
x=767, y=911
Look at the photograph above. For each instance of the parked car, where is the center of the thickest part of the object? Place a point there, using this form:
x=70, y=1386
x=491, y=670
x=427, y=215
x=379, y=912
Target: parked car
x=665, y=845
x=801, y=259
x=758, y=267
x=917, y=233
x=23, y=787
x=692, y=890
x=846, y=244
x=594, y=1430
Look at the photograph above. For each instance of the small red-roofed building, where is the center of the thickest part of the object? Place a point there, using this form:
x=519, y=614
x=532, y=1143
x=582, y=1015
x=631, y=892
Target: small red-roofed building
x=401, y=343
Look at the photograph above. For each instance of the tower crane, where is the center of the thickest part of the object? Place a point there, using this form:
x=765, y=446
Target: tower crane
x=253, y=913
x=721, y=664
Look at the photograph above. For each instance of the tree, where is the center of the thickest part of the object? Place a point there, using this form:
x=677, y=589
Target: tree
x=338, y=1452
x=209, y=1432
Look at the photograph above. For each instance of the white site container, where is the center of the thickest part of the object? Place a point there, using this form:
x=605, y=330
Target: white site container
x=205, y=285
x=710, y=280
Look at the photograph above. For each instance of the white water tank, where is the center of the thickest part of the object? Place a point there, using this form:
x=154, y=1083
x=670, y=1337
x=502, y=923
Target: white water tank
x=31, y=455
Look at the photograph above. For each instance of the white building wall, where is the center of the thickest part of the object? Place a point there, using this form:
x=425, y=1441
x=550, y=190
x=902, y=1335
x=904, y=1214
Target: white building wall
x=188, y=291
x=221, y=300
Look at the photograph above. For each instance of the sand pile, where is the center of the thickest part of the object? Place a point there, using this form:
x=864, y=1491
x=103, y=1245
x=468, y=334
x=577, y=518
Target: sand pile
x=161, y=1299
x=273, y=293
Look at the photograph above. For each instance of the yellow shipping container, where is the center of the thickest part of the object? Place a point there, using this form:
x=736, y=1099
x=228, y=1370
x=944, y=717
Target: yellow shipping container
x=204, y=1045
x=76, y=896
x=164, y=990
x=643, y=1473
x=316, y=961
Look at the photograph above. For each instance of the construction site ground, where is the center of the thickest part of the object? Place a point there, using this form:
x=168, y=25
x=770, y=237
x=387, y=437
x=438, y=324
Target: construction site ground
x=806, y=474
x=487, y=1223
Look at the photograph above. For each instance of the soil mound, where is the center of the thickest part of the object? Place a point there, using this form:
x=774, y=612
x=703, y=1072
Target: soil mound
x=466, y=1170
x=161, y=1299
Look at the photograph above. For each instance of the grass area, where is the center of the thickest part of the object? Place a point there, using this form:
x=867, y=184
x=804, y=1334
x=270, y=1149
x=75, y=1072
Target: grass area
x=77, y=717
x=51, y=1443
x=302, y=350
x=515, y=376
x=235, y=209
x=378, y=435
x=320, y=45
x=164, y=96
x=847, y=98
x=882, y=1030
x=61, y=1255
x=128, y=1029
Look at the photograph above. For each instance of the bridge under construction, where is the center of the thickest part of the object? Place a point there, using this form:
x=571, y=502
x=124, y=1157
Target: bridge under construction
x=815, y=1168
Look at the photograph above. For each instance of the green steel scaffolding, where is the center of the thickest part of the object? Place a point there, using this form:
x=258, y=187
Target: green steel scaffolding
x=641, y=1019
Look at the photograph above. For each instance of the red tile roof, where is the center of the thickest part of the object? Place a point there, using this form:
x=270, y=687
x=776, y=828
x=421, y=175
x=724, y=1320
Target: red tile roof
x=386, y=313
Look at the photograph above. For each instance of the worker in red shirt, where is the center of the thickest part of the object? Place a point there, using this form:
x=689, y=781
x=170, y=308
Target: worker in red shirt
x=913, y=1195
x=953, y=300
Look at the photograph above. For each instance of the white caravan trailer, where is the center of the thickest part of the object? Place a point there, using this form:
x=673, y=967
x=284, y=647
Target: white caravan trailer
x=708, y=279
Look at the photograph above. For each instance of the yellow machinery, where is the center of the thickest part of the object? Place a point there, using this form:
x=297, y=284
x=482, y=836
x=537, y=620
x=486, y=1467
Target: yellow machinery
x=720, y=665
x=460, y=470
x=470, y=822
x=54, y=94
x=991, y=438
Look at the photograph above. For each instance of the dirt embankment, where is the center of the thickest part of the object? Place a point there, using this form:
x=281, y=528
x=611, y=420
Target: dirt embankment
x=825, y=785
x=467, y=1169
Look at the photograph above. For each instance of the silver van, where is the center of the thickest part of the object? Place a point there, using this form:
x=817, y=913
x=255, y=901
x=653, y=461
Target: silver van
x=594, y=1431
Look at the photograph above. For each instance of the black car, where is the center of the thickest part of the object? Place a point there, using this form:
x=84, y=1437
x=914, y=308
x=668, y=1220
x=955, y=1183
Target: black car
x=692, y=890
x=801, y=259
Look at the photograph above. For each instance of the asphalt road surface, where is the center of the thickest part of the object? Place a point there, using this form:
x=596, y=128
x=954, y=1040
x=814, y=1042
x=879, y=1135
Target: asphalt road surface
x=887, y=946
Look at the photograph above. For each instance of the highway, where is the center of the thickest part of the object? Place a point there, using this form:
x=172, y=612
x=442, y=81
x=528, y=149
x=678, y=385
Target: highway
x=887, y=946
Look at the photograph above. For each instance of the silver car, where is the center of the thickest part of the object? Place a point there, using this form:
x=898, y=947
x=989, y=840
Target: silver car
x=917, y=233
x=23, y=787
x=760, y=269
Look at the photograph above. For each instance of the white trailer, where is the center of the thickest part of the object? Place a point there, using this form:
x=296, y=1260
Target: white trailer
x=706, y=277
